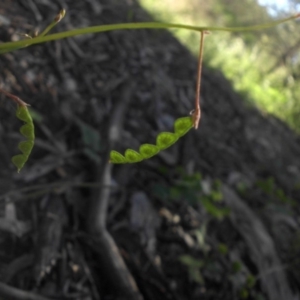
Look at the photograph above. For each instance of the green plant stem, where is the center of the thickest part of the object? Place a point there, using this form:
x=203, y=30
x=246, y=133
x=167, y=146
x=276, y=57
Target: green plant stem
x=150, y=25
x=56, y=20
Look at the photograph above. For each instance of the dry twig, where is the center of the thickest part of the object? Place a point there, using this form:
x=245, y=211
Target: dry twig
x=196, y=114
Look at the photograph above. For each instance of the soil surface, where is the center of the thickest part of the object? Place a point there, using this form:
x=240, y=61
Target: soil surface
x=216, y=216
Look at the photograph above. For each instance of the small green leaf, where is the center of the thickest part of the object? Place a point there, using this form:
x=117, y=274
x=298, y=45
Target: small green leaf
x=183, y=125
x=223, y=249
x=148, y=150
x=133, y=156
x=166, y=139
x=236, y=267
x=19, y=161
x=117, y=158
x=90, y=136
x=190, y=261
x=26, y=147
x=244, y=294
x=36, y=115
x=251, y=281
x=27, y=130
x=23, y=114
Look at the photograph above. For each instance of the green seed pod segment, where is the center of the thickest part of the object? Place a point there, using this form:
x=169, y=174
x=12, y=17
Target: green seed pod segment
x=27, y=130
x=164, y=140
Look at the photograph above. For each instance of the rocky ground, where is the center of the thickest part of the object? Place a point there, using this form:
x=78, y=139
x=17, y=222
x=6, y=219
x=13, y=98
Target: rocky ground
x=216, y=216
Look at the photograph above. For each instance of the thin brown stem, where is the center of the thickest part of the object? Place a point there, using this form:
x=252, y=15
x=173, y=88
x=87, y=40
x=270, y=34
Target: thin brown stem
x=197, y=111
x=14, y=98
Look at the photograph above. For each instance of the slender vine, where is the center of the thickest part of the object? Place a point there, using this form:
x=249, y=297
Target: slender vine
x=10, y=46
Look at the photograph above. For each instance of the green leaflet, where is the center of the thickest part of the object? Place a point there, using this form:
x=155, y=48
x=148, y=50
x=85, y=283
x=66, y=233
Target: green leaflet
x=148, y=150
x=23, y=114
x=133, y=156
x=163, y=141
x=27, y=131
x=117, y=157
x=25, y=147
x=183, y=125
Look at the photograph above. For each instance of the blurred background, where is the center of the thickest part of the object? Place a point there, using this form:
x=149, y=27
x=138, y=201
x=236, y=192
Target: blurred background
x=264, y=66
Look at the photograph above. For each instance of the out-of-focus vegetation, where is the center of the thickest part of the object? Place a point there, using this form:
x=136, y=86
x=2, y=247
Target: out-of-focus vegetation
x=264, y=66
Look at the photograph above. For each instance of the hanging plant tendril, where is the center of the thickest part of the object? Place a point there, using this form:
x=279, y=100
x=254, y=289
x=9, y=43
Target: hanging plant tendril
x=163, y=141
x=27, y=130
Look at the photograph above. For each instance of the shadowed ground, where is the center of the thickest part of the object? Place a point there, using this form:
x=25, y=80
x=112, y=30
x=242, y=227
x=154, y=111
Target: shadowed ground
x=75, y=227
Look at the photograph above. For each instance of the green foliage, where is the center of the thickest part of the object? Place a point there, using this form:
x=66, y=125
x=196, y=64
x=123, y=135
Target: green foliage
x=223, y=249
x=163, y=141
x=242, y=188
x=244, y=294
x=266, y=185
x=236, y=267
x=263, y=66
x=209, y=267
x=246, y=281
x=192, y=189
x=269, y=187
x=247, y=288
x=193, y=265
x=27, y=131
x=250, y=281
x=91, y=140
x=247, y=68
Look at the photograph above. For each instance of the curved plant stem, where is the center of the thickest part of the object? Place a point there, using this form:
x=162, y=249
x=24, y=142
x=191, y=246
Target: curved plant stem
x=197, y=111
x=56, y=20
x=14, y=98
x=145, y=25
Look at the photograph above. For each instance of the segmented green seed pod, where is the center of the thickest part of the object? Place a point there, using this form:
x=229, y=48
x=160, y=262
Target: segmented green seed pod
x=163, y=141
x=183, y=125
x=27, y=131
x=117, y=158
x=148, y=150
x=132, y=156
